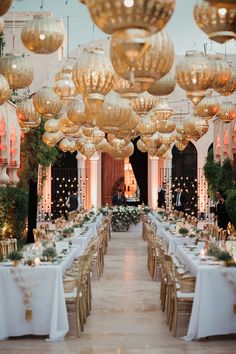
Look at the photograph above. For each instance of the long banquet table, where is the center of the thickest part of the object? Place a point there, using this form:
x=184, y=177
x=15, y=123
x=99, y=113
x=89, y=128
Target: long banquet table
x=44, y=285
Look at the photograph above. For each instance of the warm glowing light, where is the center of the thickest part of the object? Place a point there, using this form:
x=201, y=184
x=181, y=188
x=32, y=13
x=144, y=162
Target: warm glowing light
x=129, y=3
x=42, y=36
x=222, y=11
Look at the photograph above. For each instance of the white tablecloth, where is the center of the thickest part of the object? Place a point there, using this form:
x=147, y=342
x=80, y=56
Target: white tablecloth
x=212, y=312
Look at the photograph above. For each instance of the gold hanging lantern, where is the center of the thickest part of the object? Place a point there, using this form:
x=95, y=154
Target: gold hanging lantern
x=66, y=126
x=101, y=147
x=88, y=149
x=161, y=111
x=194, y=74
x=144, y=103
x=51, y=126
x=164, y=86
x=222, y=3
x=141, y=146
x=208, y=107
x=147, y=17
x=146, y=127
x=152, y=142
x=128, y=127
x=5, y=6
x=44, y=34
x=168, y=138
x=1, y=24
x=118, y=143
x=128, y=90
x=47, y=103
x=222, y=72
x=80, y=141
x=51, y=139
x=182, y=137
x=154, y=64
x=97, y=136
x=230, y=86
x=88, y=131
x=190, y=126
x=202, y=126
x=26, y=114
x=5, y=91
x=165, y=127
x=93, y=76
x=65, y=86
x=181, y=145
x=218, y=23
x=76, y=112
x=227, y=112
x=17, y=70
x=67, y=145
x=115, y=112
x=122, y=153
x=160, y=152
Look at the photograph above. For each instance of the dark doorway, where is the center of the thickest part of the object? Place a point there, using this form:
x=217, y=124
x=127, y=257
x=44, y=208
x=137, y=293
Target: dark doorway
x=139, y=162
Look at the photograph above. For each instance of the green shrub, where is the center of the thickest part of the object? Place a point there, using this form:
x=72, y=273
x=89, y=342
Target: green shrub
x=231, y=205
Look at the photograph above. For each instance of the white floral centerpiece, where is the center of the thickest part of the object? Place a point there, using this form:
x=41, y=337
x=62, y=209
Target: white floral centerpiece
x=122, y=217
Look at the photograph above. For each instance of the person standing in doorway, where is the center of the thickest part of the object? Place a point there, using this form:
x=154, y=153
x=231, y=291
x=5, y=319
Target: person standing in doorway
x=179, y=200
x=73, y=202
x=161, y=201
x=221, y=213
x=119, y=198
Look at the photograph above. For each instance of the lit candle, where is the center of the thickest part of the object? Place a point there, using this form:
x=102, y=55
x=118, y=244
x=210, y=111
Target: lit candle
x=202, y=253
x=37, y=261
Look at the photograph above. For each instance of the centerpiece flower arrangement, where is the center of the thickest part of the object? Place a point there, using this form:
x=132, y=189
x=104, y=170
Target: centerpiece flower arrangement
x=122, y=217
x=15, y=256
x=221, y=253
x=183, y=231
x=49, y=253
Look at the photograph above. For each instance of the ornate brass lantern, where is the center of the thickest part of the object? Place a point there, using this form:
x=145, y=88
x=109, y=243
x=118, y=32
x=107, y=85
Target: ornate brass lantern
x=154, y=64
x=160, y=152
x=165, y=127
x=76, y=112
x=115, y=112
x=230, y=86
x=122, y=153
x=141, y=146
x=208, y=107
x=146, y=127
x=194, y=74
x=222, y=72
x=43, y=34
x=67, y=145
x=17, y=70
x=217, y=23
x=222, y=3
x=47, y=103
x=128, y=90
x=144, y=103
x=93, y=75
x=88, y=149
x=97, y=136
x=147, y=17
x=181, y=145
x=66, y=126
x=227, y=111
x=152, y=142
x=164, y=86
x=5, y=6
x=195, y=127
x=128, y=127
x=5, y=91
x=65, y=86
x=51, y=139
x=168, y=138
x=161, y=111
x=26, y=114
x=51, y=126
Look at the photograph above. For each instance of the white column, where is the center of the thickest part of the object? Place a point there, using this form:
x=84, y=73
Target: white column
x=95, y=181
x=169, y=180
x=81, y=176
x=153, y=181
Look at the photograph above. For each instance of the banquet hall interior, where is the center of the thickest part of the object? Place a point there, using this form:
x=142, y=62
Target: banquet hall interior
x=117, y=176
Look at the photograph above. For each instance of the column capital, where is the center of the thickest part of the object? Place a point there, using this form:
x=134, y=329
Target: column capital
x=153, y=158
x=79, y=156
x=95, y=157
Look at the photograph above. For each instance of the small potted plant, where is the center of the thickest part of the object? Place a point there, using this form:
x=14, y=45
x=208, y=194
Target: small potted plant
x=183, y=231
x=49, y=253
x=16, y=257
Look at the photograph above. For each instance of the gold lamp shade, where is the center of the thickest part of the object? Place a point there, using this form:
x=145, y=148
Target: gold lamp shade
x=168, y=138
x=115, y=112
x=47, y=103
x=208, y=107
x=202, y=126
x=222, y=3
x=227, y=111
x=194, y=74
x=144, y=103
x=181, y=145
x=154, y=64
x=127, y=89
x=160, y=152
x=88, y=149
x=146, y=127
x=66, y=126
x=5, y=91
x=149, y=16
x=97, y=136
x=117, y=143
x=222, y=71
x=17, y=70
x=26, y=114
x=195, y=127
x=67, y=145
x=76, y=112
x=128, y=127
x=51, y=126
x=182, y=137
x=93, y=75
x=88, y=131
x=51, y=139
x=141, y=146
x=152, y=142
x=218, y=23
x=164, y=86
x=165, y=127
x=122, y=153
x=5, y=6
x=161, y=111
x=43, y=34
x=1, y=24
x=65, y=86
x=230, y=86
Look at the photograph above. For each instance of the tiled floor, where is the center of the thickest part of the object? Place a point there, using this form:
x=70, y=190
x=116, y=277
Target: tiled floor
x=126, y=315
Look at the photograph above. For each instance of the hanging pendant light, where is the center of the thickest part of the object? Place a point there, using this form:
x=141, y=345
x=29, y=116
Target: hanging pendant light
x=141, y=146
x=146, y=127
x=66, y=126
x=223, y=3
x=128, y=90
x=51, y=126
x=218, y=23
x=222, y=71
x=207, y=108
x=47, y=103
x=88, y=149
x=194, y=74
x=230, y=86
x=65, y=86
x=161, y=111
x=5, y=6
x=181, y=145
x=129, y=127
x=17, y=70
x=144, y=103
x=164, y=86
x=152, y=142
x=227, y=111
x=168, y=138
x=67, y=145
x=51, y=139
x=165, y=127
x=76, y=112
x=5, y=91
x=26, y=114
x=97, y=136
x=43, y=34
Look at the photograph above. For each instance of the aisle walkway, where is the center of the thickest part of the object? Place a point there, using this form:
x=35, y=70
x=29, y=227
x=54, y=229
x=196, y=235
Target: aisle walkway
x=126, y=316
